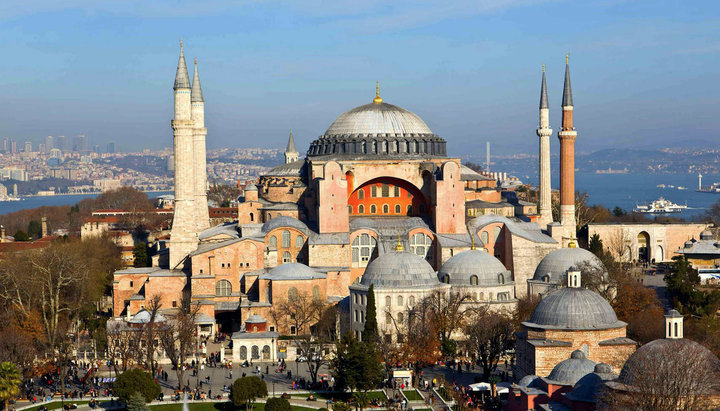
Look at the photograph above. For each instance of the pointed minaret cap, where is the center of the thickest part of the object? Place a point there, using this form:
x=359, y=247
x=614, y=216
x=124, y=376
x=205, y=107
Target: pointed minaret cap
x=182, y=80
x=567, y=99
x=196, y=93
x=291, y=144
x=543, y=92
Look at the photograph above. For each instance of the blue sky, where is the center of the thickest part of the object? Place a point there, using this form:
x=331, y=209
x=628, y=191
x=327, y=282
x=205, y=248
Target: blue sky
x=645, y=73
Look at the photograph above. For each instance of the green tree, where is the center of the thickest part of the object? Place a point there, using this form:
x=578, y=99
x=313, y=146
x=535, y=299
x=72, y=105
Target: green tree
x=141, y=255
x=596, y=245
x=277, y=404
x=10, y=380
x=370, y=332
x=135, y=381
x=246, y=390
x=356, y=364
x=618, y=212
x=136, y=403
x=34, y=229
x=21, y=235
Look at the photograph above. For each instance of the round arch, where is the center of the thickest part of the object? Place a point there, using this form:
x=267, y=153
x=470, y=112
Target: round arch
x=390, y=196
x=643, y=246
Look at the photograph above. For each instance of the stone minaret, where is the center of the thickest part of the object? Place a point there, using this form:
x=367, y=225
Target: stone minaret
x=202, y=217
x=544, y=132
x=291, y=153
x=183, y=236
x=567, y=137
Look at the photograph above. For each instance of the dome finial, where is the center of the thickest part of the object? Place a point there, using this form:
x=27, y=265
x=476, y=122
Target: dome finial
x=572, y=243
x=472, y=241
x=377, y=99
x=567, y=58
x=399, y=246
x=543, y=67
x=181, y=44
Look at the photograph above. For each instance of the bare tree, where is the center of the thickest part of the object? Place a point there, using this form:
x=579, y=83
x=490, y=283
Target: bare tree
x=489, y=335
x=618, y=244
x=448, y=312
x=665, y=375
x=299, y=312
x=150, y=334
x=177, y=338
x=123, y=345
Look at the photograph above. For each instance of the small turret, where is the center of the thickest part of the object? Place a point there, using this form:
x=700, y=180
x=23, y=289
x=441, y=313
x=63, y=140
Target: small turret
x=673, y=325
x=291, y=153
x=574, y=278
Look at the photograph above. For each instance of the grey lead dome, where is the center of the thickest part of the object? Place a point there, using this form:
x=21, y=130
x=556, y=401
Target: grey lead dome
x=574, y=309
x=463, y=266
x=377, y=118
x=570, y=371
x=556, y=263
x=399, y=269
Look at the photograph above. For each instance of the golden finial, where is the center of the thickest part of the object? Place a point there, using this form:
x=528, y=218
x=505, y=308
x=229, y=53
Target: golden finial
x=472, y=241
x=572, y=244
x=195, y=62
x=399, y=246
x=377, y=99
x=567, y=58
x=543, y=67
x=181, y=44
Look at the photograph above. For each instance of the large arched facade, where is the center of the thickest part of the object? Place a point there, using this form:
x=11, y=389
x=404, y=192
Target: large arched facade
x=387, y=196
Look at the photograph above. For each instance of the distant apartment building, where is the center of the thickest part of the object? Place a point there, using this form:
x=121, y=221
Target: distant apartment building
x=111, y=147
x=55, y=153
x=28, y=147
x=61, y=143
x=80, y=143
x=64, y=173
x=107, y=184
x=49, y=144
x=12, y=173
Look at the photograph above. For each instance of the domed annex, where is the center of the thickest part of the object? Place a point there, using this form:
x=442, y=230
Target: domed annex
x=379, y=129
x=479, y=274
x=587, y=387
x=570, y=371
x=550, y=273
x=399, y=269
x=569, y=319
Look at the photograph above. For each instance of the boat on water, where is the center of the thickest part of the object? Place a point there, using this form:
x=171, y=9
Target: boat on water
x=660, y=206
x=682, y=188
x=660, y=186
x=9, y=198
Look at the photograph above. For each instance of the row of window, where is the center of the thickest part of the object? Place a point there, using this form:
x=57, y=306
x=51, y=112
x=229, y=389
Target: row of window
x=293, y=293
x=385, y=190
x=363, y=248
x=386, y=209
x=255, y=352
x=285, y=240
x=474, y=279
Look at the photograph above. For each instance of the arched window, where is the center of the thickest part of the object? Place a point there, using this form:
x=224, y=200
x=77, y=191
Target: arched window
x=473, y=280
x=400, y=300
x=361, y=209
x=362, y=249
x=388, y=318
x=299, y=241
x=546, y=278
x=349, y=209
x=287, y=258
x=421, y=244
x=223, y=288
x=411, y=301
x=482, y=296
x=388, y=301
x=272, y=242
x=373, y=191
x=292, y=294
x=385, y=190
x=252, y=217
x=286, y=239
x=491, y=296
x=474, y=296
x=397, y=191
x=364, y=302
x=243, y=352
x=409, y=209
x=316, y=293
x=355, y=298
x=266, y=352
x=484, y=237
x=398, y=209
x=373, y=209
x=361, y=194
x=386, y=209
x=255, y=352
x=496, y=233
x=357, y=315
x=501, y=279
x=401, y=317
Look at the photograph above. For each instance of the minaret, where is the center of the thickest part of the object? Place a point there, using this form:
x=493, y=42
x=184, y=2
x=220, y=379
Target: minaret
x=567, y=137
x=202, y=216
x=183, y=237
x=544, y=132
x=291, y=153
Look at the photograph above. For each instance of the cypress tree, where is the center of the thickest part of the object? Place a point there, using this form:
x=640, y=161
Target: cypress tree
x=370, y=332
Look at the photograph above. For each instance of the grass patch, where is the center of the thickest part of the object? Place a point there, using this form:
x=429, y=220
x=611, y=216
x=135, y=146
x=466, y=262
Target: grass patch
x=413, y=395
x=56, y=405
x=341, y=396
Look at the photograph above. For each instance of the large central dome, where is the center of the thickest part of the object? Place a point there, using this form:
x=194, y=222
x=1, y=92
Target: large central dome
x=378, y=129
x=378, y=118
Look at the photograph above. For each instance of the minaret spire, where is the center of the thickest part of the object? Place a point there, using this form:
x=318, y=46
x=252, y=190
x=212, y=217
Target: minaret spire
x=567, y=136
x=544, y=132
x=196, y=94
x=182, y=79
x=377, y=99
x=291, y=153
x=567, y=99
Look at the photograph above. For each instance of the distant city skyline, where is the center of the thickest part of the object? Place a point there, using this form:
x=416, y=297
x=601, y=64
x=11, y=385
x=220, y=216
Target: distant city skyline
x=644, y=73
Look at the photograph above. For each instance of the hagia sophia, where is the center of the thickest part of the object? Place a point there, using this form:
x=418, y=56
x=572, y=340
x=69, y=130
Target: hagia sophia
x=376, y=201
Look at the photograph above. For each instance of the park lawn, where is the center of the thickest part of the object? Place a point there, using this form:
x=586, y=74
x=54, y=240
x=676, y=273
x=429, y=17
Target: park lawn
x=56, y=405
x=216, y=406
x=341, y=396
x=413, y=395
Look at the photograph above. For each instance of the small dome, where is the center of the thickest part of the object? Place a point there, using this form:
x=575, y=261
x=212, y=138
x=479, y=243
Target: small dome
x=570, y=371
x=251, y=187
x=474, y=263
x=556, y=264
x=255, y=319
x=143, y=317
x=530, y=381
x=291, y=271
x=587, y=387
x=688, y=244
x=645, y=359
x=284, y=221
x=706, y=235
x=378, y=118
x=574, y=309
x=399, y=269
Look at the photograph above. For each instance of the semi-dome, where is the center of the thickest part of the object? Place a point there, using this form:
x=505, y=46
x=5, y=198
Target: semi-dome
x=574, y=309
x=399, y=269
x=570, y=371
x=555, y=264
x=485, y=268
x=284, y=221
x=291, y=271
x=380, y=129
x=255, y=319
x=648, y=359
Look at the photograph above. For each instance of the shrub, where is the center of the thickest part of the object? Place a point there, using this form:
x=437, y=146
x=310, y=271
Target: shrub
x=277, y=404
x=136, y=381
